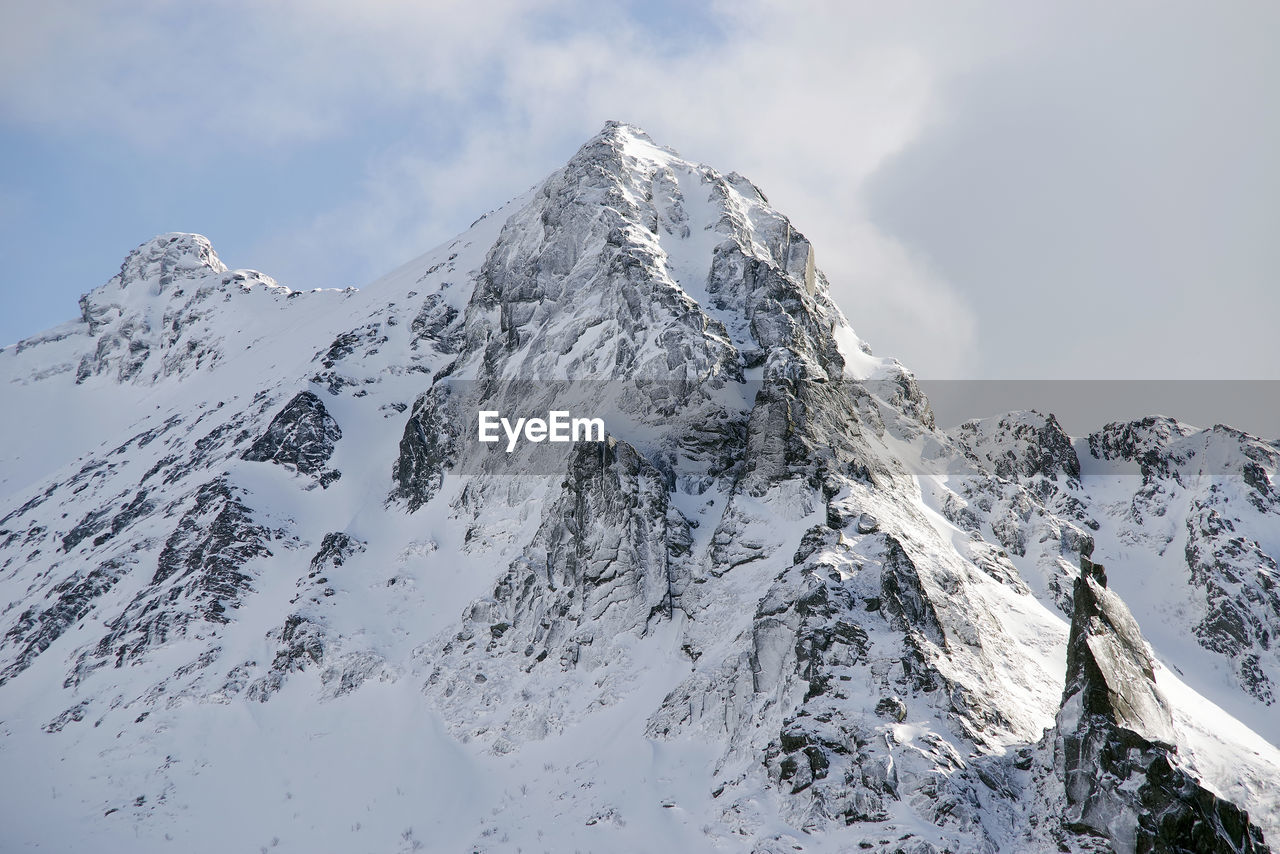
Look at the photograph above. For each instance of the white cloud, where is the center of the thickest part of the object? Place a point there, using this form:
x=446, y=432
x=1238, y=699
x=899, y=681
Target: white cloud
x=808, y=99
x=245, y=73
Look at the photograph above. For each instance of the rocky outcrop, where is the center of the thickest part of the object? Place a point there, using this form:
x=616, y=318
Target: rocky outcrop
x=1241, y=585
x=124, y=335
x=301, y=437
x=301, y=644
x=427, y=448
x=1231, y=565
x=1152, y=443
x=582, y=233
x=336, y=549
x=806, y=430
x=305, y=641
x=154, y=318
x=1115, y=743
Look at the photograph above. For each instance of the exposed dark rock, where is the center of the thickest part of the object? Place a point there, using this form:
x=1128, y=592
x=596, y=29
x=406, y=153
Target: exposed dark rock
x=367, y=337
x=892, y=708
x=1241, y=583
x=93, y=522
x=302, y=643
x=136, y=509
x=903, y=597
x=301, y=437
x=432, y=325
x=213, y=540
x=427, y=449
x=74, y=714
x=1145, y=442
x=814, y=539
x=334, y=551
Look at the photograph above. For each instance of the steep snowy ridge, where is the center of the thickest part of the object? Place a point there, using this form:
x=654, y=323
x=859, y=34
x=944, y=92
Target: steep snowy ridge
x=262, y=588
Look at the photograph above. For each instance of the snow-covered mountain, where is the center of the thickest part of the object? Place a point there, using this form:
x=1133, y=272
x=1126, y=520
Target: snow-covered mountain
x=264, y=589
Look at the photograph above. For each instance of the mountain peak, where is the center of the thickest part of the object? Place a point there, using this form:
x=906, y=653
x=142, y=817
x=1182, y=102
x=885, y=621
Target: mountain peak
x=620, y=148
x=622, y=131
x=149, y=271
x=705, y=255
x=167, y=257
x=166, y=298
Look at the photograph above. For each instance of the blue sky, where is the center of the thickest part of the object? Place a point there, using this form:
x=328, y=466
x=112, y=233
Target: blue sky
x=995, y=189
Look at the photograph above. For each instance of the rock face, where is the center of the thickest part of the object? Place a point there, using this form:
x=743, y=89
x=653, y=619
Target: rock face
x=427, y=448
x=606, y=565
x=301, y=437
x=774, y=609
x=1241, y=587
x=1115, y=742
x=72, y=599
x=600, y=279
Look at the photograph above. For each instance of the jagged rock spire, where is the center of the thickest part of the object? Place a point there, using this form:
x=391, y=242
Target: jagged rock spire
x=1115, y=745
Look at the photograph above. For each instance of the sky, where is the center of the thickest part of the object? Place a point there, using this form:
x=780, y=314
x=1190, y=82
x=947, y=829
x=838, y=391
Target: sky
x=996, y=190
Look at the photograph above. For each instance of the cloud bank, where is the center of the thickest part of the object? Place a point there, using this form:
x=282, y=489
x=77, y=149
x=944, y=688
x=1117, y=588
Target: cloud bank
x=452, y=107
